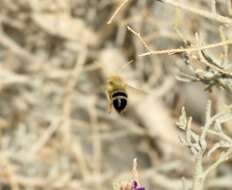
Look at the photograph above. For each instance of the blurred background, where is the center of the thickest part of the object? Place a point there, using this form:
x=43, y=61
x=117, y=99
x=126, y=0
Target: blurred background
x=55, y=131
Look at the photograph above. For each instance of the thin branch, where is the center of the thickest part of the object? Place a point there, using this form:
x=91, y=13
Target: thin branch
x=213, y=7
x=223, y=38
x=117, y=11
x=223, y=158
x=181, y=50
x=200, y=12
x=209, y=62
x=7, y=42
x=138, y=35
x=229, y=7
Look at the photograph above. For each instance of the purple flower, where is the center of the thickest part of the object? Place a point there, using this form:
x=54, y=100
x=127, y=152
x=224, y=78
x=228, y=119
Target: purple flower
x=134, y=186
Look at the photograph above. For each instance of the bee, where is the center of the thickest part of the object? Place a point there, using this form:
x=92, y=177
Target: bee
x=116, y=72
x=116, y=92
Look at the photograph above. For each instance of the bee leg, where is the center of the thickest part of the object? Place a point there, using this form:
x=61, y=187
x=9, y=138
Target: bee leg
x=109, y=108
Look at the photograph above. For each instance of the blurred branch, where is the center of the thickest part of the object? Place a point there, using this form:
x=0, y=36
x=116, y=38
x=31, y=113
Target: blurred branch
x=117, y=11
x=198, y=11
x=15, y=48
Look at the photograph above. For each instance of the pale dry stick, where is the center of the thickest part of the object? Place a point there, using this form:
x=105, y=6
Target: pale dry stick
x=203, y=59
x=184, y=183
x=126, y=123
x=198, y=180
x=163, y=181
x=225, y=156
x=31, y=181
x=45, y=183
x=17, y=24
x=181, y=50
x=198, y=45
x=223, y=38
x=221, y=135
x=9, y=77
x=15, y=48
x=75, y=147
x=178, y=26
x=223, y=182
x=8, y=172
x=134, y=18
x=157, y=35
x=192, y=141
x=198, y=169
x=200, y=174
x=219, y=69
x=164, y=88
x=79, y=156
x=112, y=136
x=199, y=11
x=188, y=130
x=121, y=36
x=138, y=35
x=44, y=139
x=206, y=128
x=117, y=11
x=138, y=38
x=96, y=138
x=140, y=5
x=69, y=91
x=216, y=147
x=61, y=180
x=213, y=7
x=135, y=170
x=138, y=18
x=13, y=183
x=177, y=184
x=229, y=6
x=65, y=121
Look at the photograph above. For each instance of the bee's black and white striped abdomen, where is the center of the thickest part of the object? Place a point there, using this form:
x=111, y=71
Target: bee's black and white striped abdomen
x=119, y=100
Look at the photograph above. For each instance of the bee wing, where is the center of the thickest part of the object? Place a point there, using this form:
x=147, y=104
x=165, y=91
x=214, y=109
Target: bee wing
x=135, y=94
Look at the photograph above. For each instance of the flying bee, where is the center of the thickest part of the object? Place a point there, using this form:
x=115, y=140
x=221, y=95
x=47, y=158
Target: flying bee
x=116, y=92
